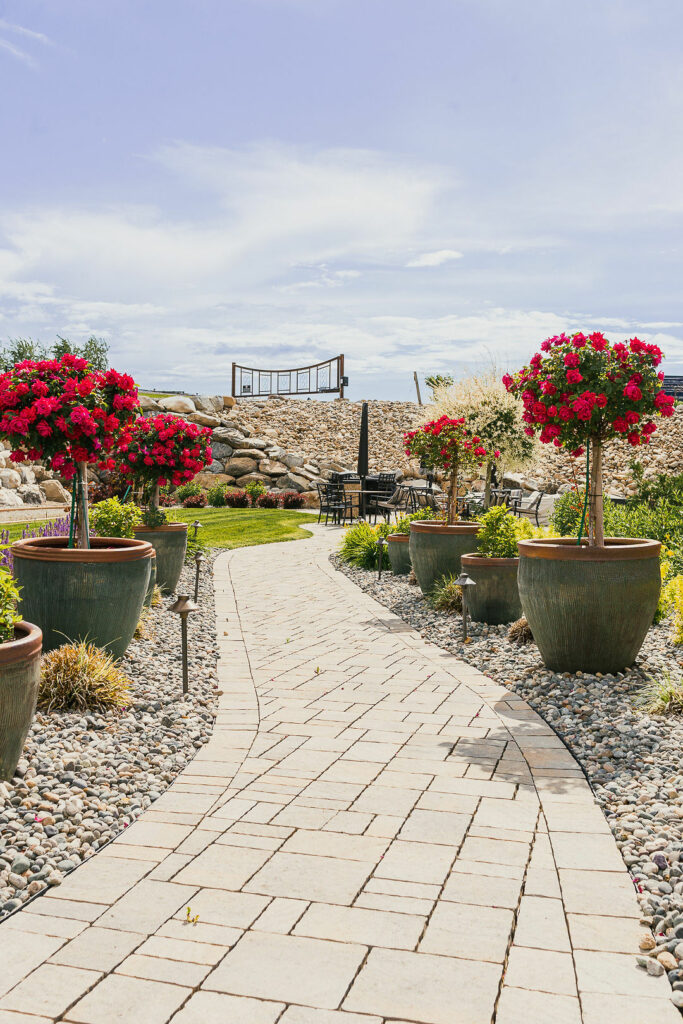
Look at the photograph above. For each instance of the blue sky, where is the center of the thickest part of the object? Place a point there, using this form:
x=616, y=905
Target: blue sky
x=421, y=185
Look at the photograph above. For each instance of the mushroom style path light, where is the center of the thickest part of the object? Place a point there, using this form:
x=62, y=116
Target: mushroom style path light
x=182, y=607
x=464, y=582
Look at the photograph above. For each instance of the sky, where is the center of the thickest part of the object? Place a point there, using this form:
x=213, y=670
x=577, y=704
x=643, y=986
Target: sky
x=427, y=186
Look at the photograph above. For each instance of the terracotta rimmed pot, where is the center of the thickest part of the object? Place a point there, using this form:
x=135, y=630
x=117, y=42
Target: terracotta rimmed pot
x=19, y=682
x=589, y=608
x=495, y=598
x=93, y=594
x=398, y=546
x=436, y=549
x=152, y=579
x=170, y=543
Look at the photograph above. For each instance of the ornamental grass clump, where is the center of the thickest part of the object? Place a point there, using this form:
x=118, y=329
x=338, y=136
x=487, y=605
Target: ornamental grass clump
x=520, y=633
x=449, y=446
x=663, y=696
x=70, y=415
x=581, y=392
x=359, y=546
x=447, y=595
x=82, y=677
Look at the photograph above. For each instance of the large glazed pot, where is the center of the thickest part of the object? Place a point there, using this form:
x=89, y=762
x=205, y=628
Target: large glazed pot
x=152, y=579
x=19, y=681
x=495, y=598
x=170, y=544
x=436, y=549
x=589, y=608
x=93, y=594
x=398, y=546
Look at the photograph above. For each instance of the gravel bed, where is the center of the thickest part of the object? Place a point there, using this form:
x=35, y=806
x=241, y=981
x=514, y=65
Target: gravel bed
x=633, y=761
x=83, y=779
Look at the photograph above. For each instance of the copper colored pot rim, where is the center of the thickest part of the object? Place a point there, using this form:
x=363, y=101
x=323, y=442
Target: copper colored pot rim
x=481, y=560
x=166, y=528
x=564, y=549
x=103, y=549
x=27, y=644
x=401, y=538
x=440, y=526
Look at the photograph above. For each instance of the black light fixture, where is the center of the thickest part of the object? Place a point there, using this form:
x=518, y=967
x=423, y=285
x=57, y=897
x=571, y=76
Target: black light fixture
x=197, y=526
x=182, y=607
x=464, y=582
x=198, y=559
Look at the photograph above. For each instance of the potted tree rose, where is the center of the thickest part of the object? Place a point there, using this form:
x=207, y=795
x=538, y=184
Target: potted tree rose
x=449, y=446
x=70, y=415
x=20, y=646
x=160, y=450
x=589, y=602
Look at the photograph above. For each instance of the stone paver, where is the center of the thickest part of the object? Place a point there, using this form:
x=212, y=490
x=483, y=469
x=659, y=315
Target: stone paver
x=376, y=833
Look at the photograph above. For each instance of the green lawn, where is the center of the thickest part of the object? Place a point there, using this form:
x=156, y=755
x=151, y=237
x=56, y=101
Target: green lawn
x=242, y=527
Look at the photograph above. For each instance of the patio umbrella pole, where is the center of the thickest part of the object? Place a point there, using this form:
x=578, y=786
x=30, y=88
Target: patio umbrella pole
x=363, y=459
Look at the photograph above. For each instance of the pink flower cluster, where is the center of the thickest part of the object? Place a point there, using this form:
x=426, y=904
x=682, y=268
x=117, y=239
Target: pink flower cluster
x=65, y=412
x=165, y=449
x=582, y=386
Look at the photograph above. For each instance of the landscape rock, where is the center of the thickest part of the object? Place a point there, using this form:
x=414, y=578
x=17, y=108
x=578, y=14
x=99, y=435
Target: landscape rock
x=10, y=478
x=291, y=482
x=205, y=419
x=9, y=498
x=240, y=467
x=178, y=403
x=54, y=491
x=248, y=478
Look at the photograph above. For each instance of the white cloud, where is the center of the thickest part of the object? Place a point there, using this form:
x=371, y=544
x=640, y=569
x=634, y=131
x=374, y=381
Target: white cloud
x=27, y=34
x=18, y=53
x=434, y=259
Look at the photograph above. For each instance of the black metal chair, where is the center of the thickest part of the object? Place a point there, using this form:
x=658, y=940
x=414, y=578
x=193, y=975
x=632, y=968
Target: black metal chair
x=400, y=501
x=529, y=507
x=334, y=502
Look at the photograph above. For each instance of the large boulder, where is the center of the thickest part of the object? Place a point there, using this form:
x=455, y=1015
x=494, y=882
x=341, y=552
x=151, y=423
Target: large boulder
x=251, y=442
x=220, y=450
x=291, y=482
x=10, y=478
x=216, y=466
x=31, y=494
x=9, y=498
x=292, y=461
x=148, y=404
x=249, y=478
x=205, y=419
x=238, y=467
x=211, y=479
x=178, y=403
x=228, y=401
x=248, y=453
x=272, y=468
x=229, y=435
x=54, y=491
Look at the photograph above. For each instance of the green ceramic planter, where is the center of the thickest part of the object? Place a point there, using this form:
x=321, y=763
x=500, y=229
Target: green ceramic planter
x=170, y=544
x=589, y=608
x=152, y=579
x=495, y=598
x=93, y=594
x=436, y=549
x=19, y=681
x=398, y=546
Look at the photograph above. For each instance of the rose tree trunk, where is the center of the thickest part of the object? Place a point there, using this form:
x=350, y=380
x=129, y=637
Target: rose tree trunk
x=596, y=534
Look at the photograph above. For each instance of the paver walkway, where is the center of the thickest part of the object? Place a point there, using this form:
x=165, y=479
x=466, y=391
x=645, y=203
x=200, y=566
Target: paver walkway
x=376, y=832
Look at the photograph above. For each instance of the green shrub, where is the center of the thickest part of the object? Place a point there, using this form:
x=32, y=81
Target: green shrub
x=566, y=514
x=9, y=598
x=403, y=524
x=216, y=495
x=187, y=491
x=359, y=546
x=82, y=677
x=499, y=533
x=112, y=519
x=254, y=488
x=447, y=595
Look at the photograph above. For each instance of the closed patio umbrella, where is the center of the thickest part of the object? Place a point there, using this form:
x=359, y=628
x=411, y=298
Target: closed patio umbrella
x=363, y=467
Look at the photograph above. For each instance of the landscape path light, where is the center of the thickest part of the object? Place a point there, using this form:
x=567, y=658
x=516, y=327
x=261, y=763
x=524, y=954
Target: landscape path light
x=198, y=560
x=197, y=526
x=464, y=582
x=182, y=607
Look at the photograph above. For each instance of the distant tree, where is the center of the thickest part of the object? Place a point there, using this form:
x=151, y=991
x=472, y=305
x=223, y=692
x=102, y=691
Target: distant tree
x=493, y=414
x=438, y=380
x=18, y=349
x=95, y=350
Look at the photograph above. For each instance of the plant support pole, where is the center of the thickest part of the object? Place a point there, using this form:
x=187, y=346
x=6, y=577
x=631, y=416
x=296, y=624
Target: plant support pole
x=597, y=528
x=585, y=497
